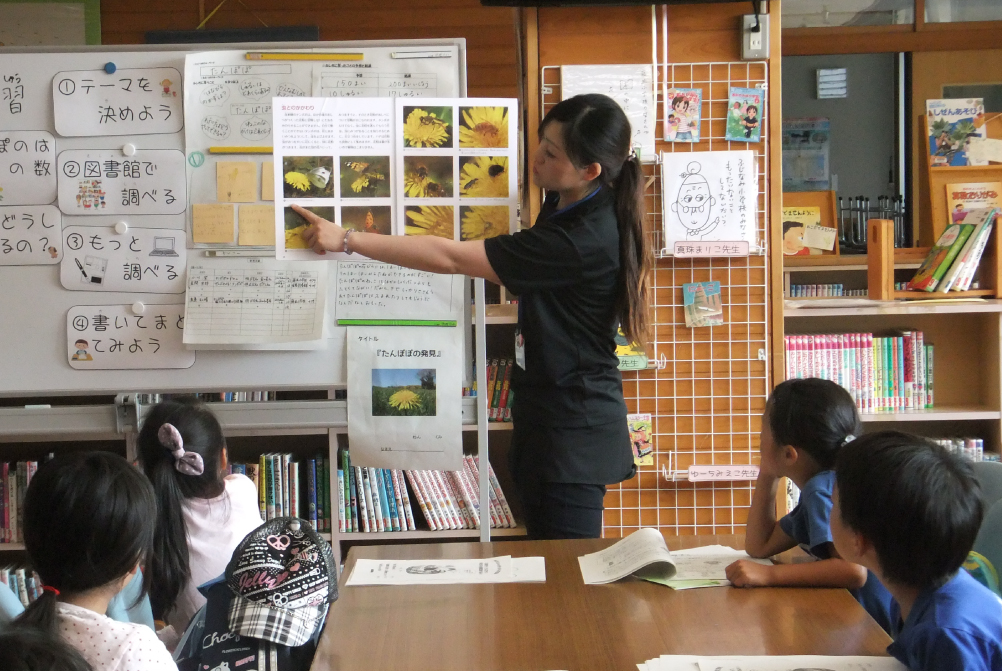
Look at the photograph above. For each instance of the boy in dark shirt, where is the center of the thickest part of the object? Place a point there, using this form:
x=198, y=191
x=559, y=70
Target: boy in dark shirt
x=909, y=511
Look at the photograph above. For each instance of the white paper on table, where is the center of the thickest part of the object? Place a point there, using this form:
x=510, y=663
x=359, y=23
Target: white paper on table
x=405, y=408
x=709, y=563
x=430, y=571
x=528, y=569
x=254, y=300
x=799, y=662
x=642, y=553
x=678, y=663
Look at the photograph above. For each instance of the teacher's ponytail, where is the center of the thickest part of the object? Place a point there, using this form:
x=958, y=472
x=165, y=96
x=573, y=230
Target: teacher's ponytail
x=595, y=130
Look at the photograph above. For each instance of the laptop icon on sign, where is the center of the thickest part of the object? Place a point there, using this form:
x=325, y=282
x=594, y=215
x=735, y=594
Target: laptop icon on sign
x=163, y=247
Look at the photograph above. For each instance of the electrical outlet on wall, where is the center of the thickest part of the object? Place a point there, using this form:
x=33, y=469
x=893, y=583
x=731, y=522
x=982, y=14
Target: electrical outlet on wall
x=754, y=44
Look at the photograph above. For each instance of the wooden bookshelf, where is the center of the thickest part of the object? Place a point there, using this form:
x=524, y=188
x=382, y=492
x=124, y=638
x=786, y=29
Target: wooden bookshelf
x=428, y=535
x=941, y=413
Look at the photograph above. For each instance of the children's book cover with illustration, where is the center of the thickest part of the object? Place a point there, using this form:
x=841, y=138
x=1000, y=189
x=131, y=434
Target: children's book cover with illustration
x=710, y=197
x=798, y=225
x=951, y=123
x=632, y=356
x=940, y=257
x=683, y=115
x=745, y=112
x=962, y=198
x=701, y=302
x=641, y=434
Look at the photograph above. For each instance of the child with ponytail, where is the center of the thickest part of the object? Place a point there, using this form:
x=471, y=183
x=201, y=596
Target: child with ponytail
x=580, y=272
x=202, y=513
x=87, y=531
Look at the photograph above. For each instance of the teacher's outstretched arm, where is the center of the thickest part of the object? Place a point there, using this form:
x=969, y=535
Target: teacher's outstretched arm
x=425, y=252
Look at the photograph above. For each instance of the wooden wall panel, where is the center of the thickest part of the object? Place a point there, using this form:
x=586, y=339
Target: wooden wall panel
x=491, y=35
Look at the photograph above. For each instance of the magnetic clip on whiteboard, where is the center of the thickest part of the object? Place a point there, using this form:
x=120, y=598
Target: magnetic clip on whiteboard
x=138, y=308
x=129, y=149
x=121, y=227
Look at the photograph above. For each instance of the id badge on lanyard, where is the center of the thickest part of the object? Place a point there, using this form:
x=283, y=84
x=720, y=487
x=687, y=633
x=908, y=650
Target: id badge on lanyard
x=519, y=339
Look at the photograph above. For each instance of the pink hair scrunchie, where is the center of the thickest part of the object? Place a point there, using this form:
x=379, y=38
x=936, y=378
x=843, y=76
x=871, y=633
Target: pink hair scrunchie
x=189, y=463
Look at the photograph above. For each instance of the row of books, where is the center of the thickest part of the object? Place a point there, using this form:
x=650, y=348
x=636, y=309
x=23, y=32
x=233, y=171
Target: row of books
x=215, y=397
x=882, y=374
x=953, y=260
x=14, y=479
x=25, y=584
x=379, y=499
x=288, y=488
x=972, y=448
x=823, y=291
x=499, y=393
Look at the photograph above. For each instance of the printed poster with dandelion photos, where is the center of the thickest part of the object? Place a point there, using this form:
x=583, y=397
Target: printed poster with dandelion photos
x=405, y=405
x=456, y=164
x=336, y=158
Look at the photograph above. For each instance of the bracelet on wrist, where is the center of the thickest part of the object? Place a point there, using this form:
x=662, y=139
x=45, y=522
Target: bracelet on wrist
x=344, y=247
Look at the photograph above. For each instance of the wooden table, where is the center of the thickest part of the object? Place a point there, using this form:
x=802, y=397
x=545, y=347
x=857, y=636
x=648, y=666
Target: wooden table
x=565, y=624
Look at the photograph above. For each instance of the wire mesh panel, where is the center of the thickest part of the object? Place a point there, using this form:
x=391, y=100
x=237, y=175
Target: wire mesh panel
x=707, y=400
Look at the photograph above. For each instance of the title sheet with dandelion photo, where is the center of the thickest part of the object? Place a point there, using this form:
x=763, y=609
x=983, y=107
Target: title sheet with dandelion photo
x=457, y=164
x=334, y=157
x=405, y=405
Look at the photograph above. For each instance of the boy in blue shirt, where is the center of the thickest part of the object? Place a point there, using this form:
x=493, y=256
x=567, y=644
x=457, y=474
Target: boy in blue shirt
x=910, y=511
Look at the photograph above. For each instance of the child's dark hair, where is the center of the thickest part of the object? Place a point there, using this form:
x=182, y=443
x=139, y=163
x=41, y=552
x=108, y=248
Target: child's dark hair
x=813, y=415
x=86, y=524
x=918, y=504
x=750, y=108
x=169, y=567
x=28, y=649
x=787, y=225
x=596, y=130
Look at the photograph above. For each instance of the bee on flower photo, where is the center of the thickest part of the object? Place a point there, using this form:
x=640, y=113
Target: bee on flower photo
x=483, y=177
x=434, y=220
x=480, y=222
x=428, y=127
x=407, y=392
x=483, y=127
x=308, y=176
x=428, y=176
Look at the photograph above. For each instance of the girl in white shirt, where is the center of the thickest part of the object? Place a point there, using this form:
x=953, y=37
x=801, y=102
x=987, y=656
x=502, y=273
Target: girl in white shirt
x=202, y=515
x=86, y=530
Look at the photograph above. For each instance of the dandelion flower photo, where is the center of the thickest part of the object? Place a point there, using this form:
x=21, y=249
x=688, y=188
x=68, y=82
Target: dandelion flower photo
x=428, y=127
x=434, y=220
x=480, y=222
x=484, y=127
x=428, y=176
x=308, y=176
x=295, y=225
x=409, y=392
x=483, y=177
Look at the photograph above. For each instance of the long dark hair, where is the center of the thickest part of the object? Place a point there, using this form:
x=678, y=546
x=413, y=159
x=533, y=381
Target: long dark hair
x=169, y=566
x=596, y=130
x=27, y=649
x=86, y=524
x=814, y=415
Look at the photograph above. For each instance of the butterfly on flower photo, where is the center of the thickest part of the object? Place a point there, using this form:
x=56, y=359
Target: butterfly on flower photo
x=427, y=127
x=308, y=176
x=365, y=176
x=428, y=176
x=430, y=220
x=295, y=225
x=479, y=222
x=364, y=219
x=483, y=127
x=483, y=176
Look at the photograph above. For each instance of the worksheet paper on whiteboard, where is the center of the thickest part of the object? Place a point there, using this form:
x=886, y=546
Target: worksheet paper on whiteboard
x=370, y=291
x=710, y=197
x=632, y=86
x=405, y=397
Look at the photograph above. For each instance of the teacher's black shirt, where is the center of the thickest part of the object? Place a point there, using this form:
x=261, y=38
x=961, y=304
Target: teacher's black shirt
x=565, y=271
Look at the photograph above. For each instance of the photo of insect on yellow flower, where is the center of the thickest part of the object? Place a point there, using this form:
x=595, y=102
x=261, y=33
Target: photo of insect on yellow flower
x=295, y=225
x=365, y=176
x=403, y=392
x=427, y=127
x=484, y=127
x=308, y=176
x=479, y=222
x=428, y=176
x=430, y=220
x=483, y=177
x=375, y=219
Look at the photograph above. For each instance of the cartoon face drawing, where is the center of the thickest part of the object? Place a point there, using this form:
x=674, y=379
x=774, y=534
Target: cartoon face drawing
x=694, y=203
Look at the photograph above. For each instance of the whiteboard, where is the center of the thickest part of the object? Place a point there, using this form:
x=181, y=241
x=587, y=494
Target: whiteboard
x=33, y=303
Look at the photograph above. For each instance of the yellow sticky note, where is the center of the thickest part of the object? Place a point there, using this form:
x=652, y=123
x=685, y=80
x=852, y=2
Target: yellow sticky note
x=256, y=225
x=268, y=180
x=212, y=222
x=236, y=182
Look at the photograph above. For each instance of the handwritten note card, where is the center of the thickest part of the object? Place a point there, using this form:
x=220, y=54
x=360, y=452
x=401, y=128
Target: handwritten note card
x=114, y=337
x=30, y=235
x=212, y=222
x=255, y=301
x=632, y=86
x=256, y=225
x=372, y=292
x=27, y=168
x=139, y=101
x=236, y=181
x=95, y=182
x=142, y=260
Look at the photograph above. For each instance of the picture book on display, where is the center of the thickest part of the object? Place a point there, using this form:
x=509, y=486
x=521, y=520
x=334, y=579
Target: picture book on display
x=803, y=233
x=940, y=257
x=701, y=302
x=745, y=109
x=683, y=115
x=961, y=273
x=631, y=355
x=962, y=198
x=641, y=433
x=950, y=125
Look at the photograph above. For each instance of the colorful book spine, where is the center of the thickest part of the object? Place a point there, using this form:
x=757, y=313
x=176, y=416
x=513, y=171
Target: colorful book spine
x=929, y=395
x=359, y=495
x=269, y=479
x=297, y=510
x=377, y=500
x=356, y=515
x=422, y=501
x=453, y=506
x=342, y=515
x=461, y=488
x=323, y=500
x=311, y=491
x=499, y=493
x=398, y=500
x=405, y=499
x=328, y=497
x=345, y=490
x=363, y=475
x=390, y=497
x=497, y=517
x=434, y=504
x=971, y=267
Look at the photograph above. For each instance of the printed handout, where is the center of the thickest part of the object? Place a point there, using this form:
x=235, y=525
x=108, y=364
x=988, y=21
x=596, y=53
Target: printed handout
x=447, y=571
x=771, y=663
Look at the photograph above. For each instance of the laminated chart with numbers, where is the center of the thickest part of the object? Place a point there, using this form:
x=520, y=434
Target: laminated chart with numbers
x=255, y=301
